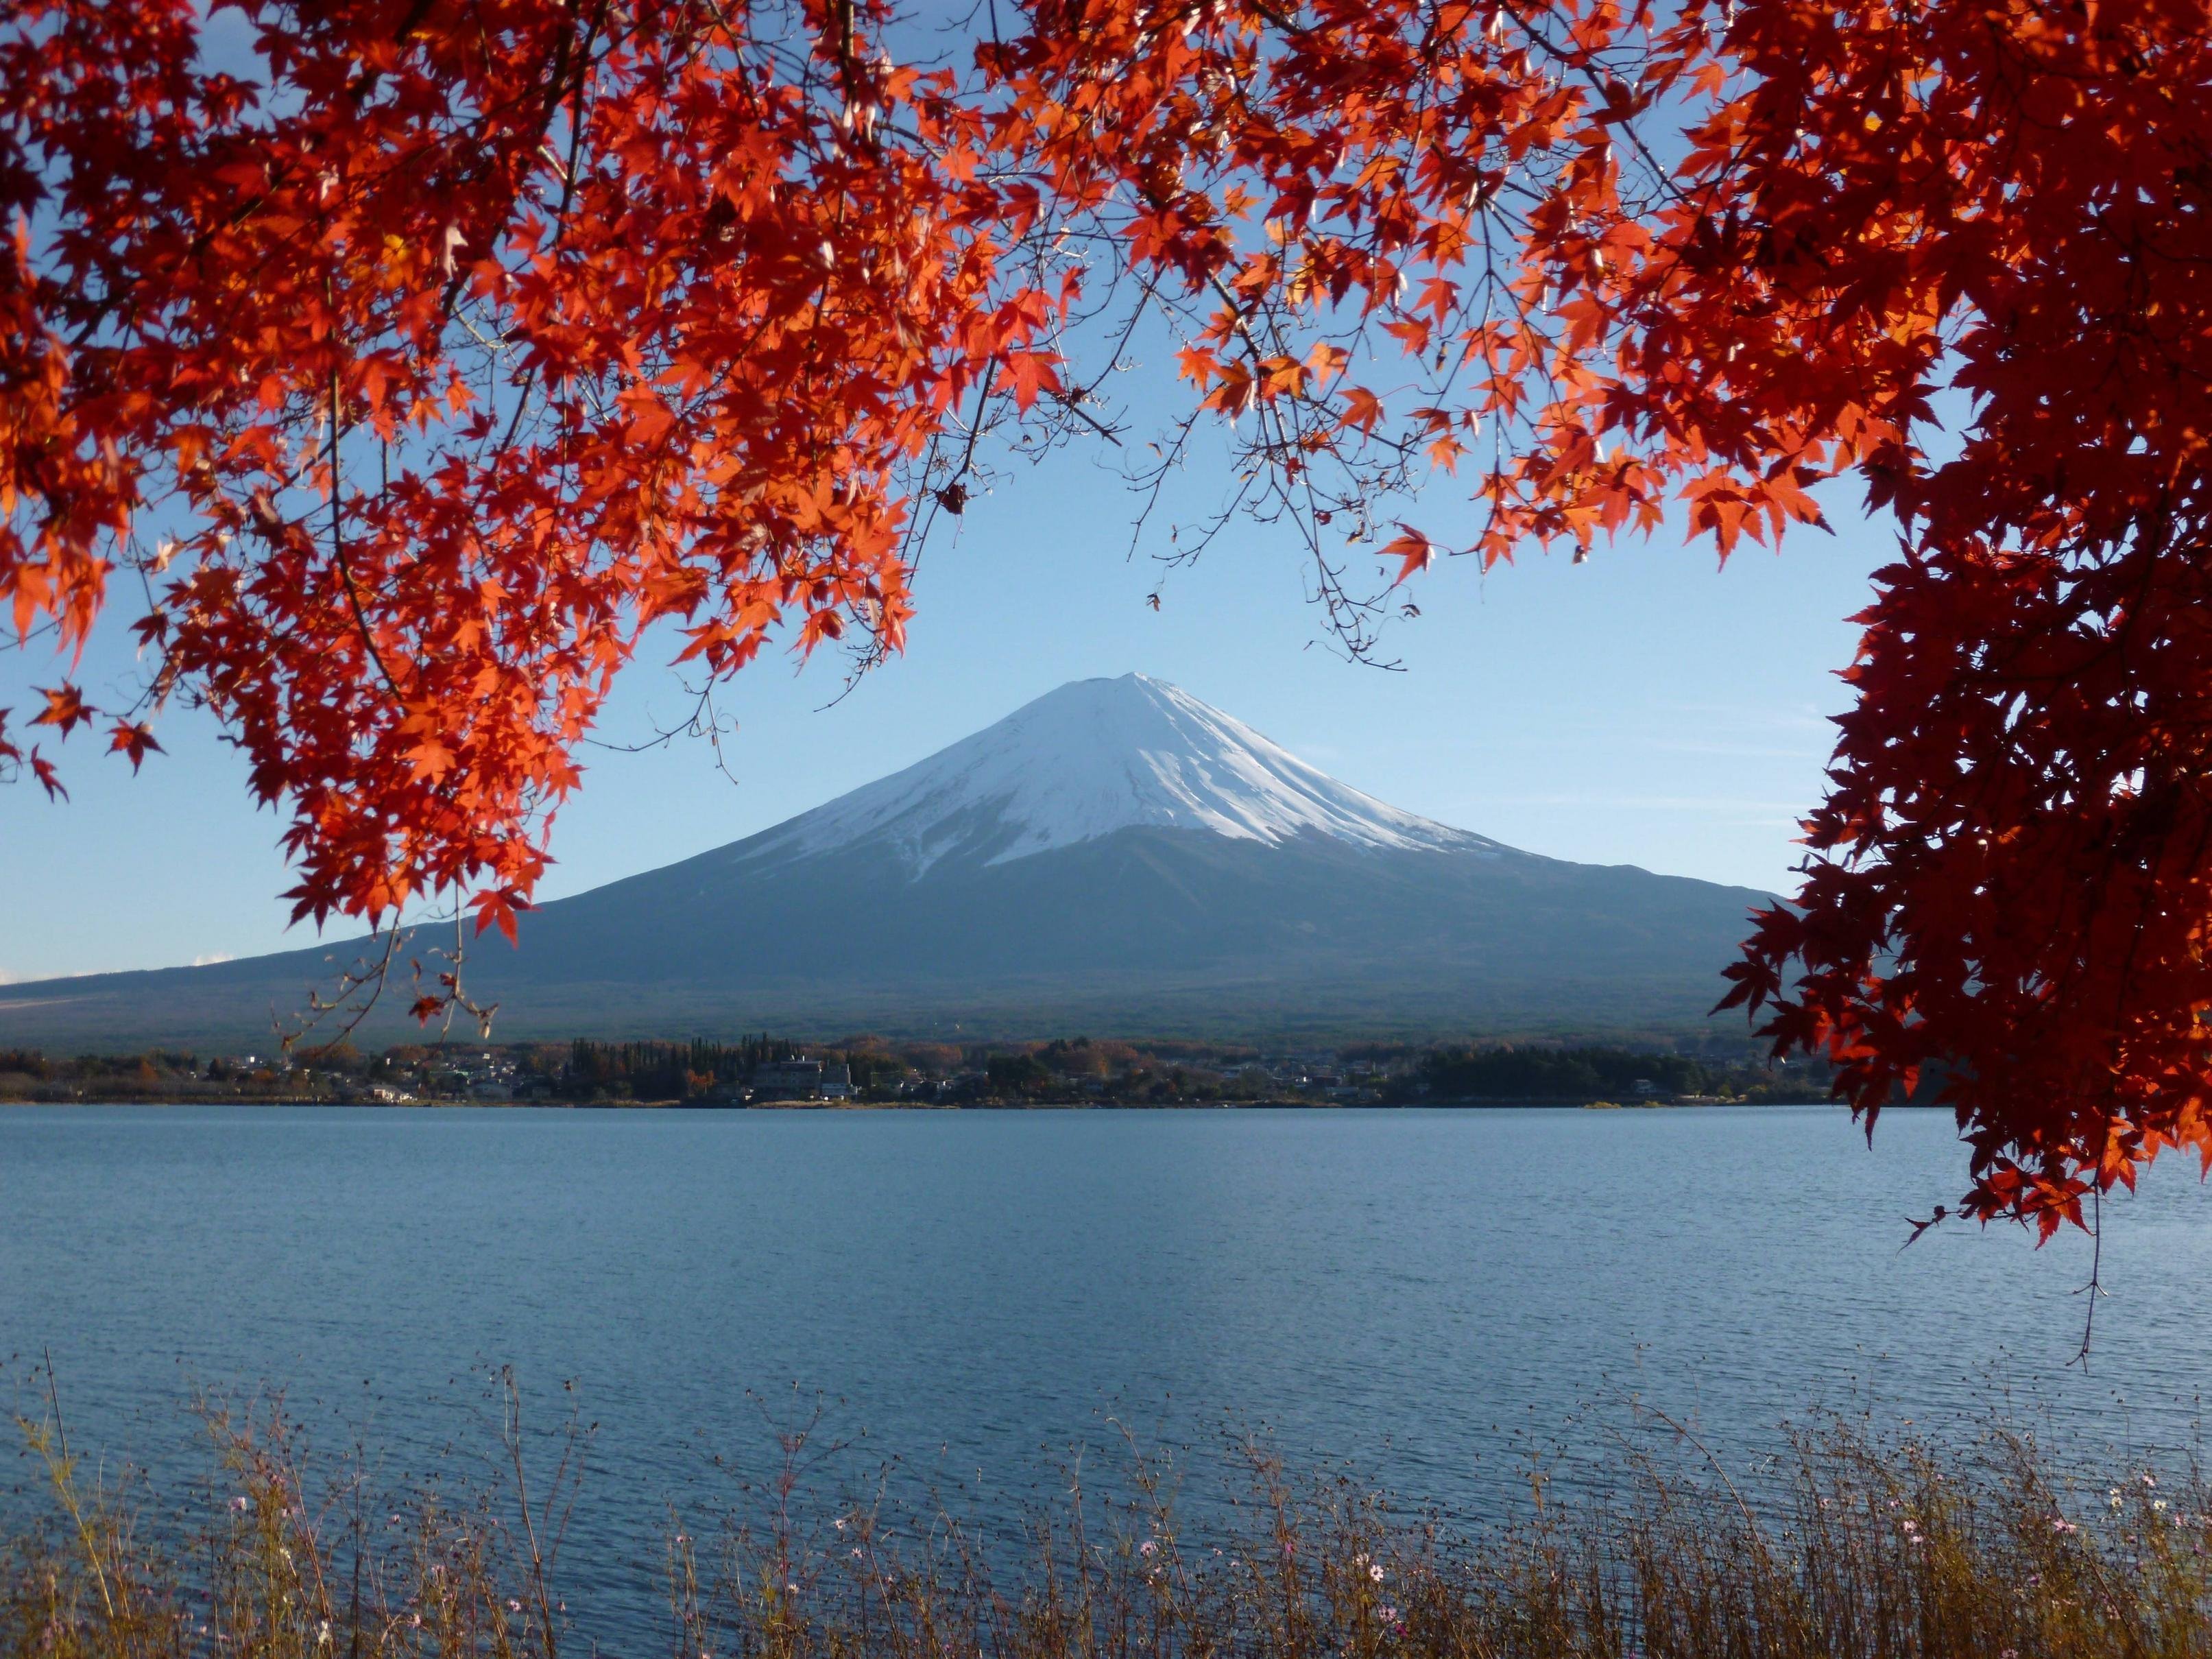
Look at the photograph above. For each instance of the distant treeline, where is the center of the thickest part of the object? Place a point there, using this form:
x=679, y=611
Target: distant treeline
x=155, y=1063
x=666, y=1071
x=678, y=1070
x=170, y=1074
x=1061, y=1070
x=1516, y=1072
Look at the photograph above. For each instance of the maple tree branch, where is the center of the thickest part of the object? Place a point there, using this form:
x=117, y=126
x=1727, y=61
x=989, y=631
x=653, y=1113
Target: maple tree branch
x=705, y=721
x=339, y=555
x=350, y=981
x=1071, y=401
x=578, y=120
x=2094, y=1290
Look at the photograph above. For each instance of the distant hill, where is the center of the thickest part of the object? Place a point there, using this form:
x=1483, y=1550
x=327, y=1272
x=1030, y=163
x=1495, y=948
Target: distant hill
x=1115, y=856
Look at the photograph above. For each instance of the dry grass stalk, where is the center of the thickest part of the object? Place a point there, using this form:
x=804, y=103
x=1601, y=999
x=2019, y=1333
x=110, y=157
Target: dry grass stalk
x=1855, y=1546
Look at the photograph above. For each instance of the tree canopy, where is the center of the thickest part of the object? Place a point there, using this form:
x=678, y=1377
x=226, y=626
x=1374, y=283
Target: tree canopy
x=408, y=361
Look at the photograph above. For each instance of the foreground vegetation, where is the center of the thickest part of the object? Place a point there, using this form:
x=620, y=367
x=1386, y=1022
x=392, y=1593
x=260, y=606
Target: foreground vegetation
x=1847, y=1545
x=871, y=1070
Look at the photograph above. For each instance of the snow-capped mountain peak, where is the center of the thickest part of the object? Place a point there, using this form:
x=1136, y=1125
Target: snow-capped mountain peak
x=1090, y=758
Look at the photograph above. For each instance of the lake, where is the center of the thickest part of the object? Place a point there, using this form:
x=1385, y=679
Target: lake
x=1425, y=1293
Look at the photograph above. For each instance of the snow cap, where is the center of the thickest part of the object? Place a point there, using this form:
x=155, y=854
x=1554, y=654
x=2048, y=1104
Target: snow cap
x=1090, y=758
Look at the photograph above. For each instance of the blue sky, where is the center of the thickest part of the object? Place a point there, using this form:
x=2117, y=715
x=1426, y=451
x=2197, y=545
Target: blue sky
x=1646, y=708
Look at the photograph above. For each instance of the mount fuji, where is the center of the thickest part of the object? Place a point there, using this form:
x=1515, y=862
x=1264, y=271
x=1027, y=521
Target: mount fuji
x=1115, y=855
x=1087, y=760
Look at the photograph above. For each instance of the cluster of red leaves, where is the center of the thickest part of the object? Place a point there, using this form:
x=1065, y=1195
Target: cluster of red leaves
x=478, y=335
x=710, y=314
x=2020, y=823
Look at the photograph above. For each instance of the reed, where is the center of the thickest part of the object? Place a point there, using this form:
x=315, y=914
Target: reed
x=1852, y=1544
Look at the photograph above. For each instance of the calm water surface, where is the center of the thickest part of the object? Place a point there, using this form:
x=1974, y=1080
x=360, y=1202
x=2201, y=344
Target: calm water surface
x=1419, y=1292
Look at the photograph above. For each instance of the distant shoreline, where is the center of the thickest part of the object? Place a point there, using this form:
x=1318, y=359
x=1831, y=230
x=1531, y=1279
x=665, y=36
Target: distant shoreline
x=863, y=1073
x=853, y=1106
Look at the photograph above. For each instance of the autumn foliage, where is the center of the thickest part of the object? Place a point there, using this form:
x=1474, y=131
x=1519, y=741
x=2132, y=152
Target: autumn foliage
x=404, y=360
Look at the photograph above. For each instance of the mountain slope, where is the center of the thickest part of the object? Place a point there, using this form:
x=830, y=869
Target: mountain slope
x=1115, y=855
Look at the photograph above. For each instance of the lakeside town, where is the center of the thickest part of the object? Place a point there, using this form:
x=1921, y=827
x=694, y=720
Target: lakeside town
x=873, y=1071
